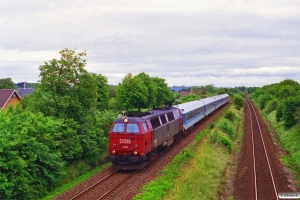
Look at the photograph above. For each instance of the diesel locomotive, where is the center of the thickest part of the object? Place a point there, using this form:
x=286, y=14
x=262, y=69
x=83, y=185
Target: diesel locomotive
x=136, y=139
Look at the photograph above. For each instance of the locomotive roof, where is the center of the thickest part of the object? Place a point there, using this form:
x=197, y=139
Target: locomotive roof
x=141, y=117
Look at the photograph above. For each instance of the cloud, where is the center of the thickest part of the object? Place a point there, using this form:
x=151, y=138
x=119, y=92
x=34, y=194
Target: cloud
x=185, y=42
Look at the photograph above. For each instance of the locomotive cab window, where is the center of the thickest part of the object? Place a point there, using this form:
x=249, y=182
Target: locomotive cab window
x=145, y=127
x=132, y=128
x=118, y=128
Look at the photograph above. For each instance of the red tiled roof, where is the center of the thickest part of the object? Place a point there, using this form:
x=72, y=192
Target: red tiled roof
x=5, y=95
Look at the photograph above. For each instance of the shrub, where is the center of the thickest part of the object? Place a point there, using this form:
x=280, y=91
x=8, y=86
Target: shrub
x=239, y=101
x=226, y=126
x=230, y=115
x=220, y=139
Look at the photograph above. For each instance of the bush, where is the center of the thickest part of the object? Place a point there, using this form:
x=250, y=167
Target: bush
x=230, y=115
x=271, y=105
x=226, y=126
x=220, y=139
x=239, y=101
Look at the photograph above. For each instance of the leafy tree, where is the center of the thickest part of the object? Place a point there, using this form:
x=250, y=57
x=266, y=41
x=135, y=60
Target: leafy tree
x=30, y=163
x=6, y=83
x=151, y=90
x=190, y=97
x=132, y=93
x=67, y=91
x=210, y=89
x=238, y=100
x=291, y=106
x=164, y=94
x=102, y=91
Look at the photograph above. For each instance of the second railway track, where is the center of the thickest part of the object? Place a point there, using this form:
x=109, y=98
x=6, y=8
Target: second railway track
x=260, y=175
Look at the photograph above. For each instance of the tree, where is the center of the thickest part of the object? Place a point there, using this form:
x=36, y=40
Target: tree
x=132, y=93
x=6, y=83
x=30, y=163
x=238, y=100
x=68, y=92
x=164, y=94
x=102, y=91
x=151, y=90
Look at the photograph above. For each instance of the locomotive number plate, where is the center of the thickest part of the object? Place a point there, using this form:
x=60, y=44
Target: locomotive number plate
x=125, y=141
x=125, y=147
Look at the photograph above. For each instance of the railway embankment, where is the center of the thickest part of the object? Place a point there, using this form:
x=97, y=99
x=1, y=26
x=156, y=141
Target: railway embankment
x=202, y=169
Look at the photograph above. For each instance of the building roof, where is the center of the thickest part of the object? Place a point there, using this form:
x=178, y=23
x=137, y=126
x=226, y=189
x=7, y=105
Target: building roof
x=5, y=95
x=24, y=91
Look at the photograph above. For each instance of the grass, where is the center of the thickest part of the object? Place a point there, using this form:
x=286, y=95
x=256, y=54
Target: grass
x=289, y=139
x=201, y=179
x=76, y=181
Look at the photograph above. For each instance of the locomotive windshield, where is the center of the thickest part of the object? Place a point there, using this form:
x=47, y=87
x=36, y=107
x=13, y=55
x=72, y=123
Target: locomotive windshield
x=132, y=128
x=118, y=128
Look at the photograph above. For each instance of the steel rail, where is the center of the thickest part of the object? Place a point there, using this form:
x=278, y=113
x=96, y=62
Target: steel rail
x=253, y=155
x=95, y=184
x=265, y=151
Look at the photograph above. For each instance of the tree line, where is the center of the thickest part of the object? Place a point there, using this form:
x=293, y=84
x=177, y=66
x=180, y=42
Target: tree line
x=283, y=97
x=65, y=120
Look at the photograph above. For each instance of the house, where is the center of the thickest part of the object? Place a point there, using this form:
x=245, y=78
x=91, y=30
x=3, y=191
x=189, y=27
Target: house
x=8, y=97
x=24, y=91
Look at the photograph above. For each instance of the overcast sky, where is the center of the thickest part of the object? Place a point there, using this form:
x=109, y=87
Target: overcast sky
x=227, y=43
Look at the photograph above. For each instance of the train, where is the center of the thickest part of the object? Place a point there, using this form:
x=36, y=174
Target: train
x=136, y=139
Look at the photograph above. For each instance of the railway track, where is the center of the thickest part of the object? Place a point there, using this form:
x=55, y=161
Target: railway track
x=101, y=190
x=260, y=174
x=264, y=184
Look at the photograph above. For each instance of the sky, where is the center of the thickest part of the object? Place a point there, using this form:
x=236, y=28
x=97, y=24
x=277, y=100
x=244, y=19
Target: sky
x=226, y=43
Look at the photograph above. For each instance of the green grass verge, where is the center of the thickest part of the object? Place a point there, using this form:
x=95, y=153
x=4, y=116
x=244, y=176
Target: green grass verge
x=202, y=178
x=198, y=172
x=290, y=140
x=76, y=181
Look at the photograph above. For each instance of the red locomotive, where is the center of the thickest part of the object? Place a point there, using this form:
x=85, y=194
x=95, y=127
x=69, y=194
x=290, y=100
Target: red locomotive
x=135, y=139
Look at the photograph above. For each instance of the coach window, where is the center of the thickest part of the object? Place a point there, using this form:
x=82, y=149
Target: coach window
x=132, y=128
x=118, y=128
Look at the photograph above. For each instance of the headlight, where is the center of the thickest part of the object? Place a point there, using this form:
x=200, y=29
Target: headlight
x=113, y=151
x=135, y=153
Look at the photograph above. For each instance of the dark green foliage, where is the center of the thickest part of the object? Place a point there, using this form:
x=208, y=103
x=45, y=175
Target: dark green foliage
x=230, y=115
x=279, y=112
x=6, y=83
x=188, y=98
x=220, y=139
x=68, y=92
x=283, y=97
x=132, y=93
x=142, y=91
x=226, y=126
x=262, y=100
x=30, y=163
x=271, y=105
x=291, y=105
x=238, y=100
